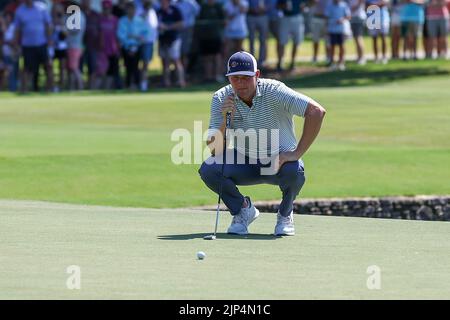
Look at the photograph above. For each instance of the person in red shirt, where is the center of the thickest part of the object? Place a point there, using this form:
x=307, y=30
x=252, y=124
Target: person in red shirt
x=108, y=57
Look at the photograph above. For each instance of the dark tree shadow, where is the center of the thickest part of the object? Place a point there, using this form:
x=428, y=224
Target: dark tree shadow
x=302, y=77
x=362, y=77
x=319, y=76
x=220, y=236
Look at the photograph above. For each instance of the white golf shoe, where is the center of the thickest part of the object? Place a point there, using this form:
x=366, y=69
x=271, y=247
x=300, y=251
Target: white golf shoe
x=241, y=221
x=285, y=225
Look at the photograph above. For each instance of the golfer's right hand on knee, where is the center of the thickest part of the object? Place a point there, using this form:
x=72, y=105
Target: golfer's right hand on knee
x=229, y=105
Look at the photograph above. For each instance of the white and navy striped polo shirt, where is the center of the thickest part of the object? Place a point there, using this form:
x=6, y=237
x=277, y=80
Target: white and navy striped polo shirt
x=274, y=106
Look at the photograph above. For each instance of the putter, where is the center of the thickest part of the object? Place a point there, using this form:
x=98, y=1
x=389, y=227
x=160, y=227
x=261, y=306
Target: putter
x=227, y=126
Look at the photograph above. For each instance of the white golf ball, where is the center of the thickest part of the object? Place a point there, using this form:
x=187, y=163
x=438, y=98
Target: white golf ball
x=201, y=255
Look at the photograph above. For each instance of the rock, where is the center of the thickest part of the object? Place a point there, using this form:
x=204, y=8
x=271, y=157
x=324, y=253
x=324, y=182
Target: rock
x=425, y=213
x=419, y=207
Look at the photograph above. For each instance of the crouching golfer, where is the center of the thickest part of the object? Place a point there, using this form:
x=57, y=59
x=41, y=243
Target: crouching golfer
x=260, y=107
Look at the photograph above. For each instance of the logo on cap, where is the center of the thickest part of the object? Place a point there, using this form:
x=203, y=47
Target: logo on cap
x=242, y=63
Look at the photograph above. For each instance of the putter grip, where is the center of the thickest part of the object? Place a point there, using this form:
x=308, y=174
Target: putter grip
x=228, y=120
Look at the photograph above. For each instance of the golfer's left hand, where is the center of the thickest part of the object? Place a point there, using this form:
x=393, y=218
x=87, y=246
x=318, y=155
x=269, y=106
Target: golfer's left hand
x=287, y=157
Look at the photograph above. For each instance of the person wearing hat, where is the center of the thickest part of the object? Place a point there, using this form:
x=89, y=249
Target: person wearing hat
x=265, y=147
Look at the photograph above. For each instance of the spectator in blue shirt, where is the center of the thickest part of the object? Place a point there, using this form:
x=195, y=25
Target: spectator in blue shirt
x=131, y=32
x=412, y=17
x=236, y=29
x=34, y=31
x=337, y=12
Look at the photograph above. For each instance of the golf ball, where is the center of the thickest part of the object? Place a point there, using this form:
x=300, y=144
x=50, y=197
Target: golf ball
x=201, y=255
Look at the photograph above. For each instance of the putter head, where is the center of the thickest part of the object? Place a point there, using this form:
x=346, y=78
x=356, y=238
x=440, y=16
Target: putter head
x=209, y=237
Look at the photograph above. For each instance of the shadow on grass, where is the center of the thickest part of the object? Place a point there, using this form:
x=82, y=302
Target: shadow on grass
x=307, y=75
x=220, y=236
x=321, y=77
x=362, y=77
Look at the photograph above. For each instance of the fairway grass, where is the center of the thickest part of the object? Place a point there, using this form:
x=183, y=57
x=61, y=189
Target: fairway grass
x=126, y=253
x=382, y=139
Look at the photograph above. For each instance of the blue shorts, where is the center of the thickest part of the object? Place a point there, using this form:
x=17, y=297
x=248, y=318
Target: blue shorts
x=147, y=52
x=336, y=39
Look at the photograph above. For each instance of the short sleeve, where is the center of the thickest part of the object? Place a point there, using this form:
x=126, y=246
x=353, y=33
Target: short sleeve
x=347, y=11
x=326, y=12
x=47, y=17
x=215, y=120
x=17, y=20
x=292, y=101
x=228, y=8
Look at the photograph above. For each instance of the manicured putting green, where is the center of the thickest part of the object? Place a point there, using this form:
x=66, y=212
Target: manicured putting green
x=126, y=253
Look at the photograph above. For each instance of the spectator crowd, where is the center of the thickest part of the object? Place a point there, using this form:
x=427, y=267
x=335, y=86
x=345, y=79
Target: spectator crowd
x=193, y=38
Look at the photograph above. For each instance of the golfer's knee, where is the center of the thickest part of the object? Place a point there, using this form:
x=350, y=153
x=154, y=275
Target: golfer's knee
x=208, y=172
x=292, y=176
x=294, y=182
x=298, y=181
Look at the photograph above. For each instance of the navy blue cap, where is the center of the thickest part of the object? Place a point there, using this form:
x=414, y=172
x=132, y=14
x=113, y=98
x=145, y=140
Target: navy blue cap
x=241, y=63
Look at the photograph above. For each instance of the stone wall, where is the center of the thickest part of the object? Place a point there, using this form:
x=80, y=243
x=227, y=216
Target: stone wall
x=435, y=208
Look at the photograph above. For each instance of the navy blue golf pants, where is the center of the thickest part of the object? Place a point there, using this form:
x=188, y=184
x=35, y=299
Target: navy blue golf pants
x=290, y=179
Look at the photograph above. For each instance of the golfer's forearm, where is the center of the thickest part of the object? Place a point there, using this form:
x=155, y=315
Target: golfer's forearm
x=311, y=128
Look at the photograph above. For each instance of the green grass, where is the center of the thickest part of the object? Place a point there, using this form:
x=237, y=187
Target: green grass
x=151, y=254
x=386, y=133
x=380, y=138
x=305, y=50
x=371, y=74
